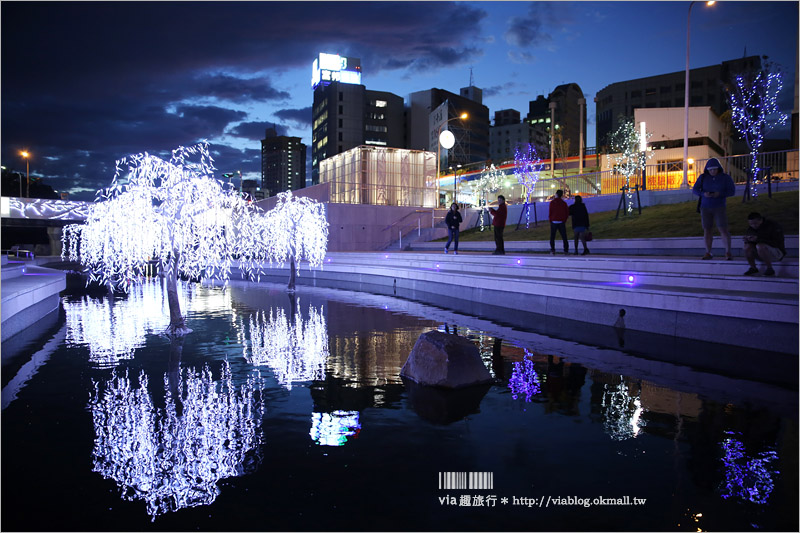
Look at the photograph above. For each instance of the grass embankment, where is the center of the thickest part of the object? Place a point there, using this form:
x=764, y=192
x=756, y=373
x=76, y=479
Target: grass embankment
x=671, y=220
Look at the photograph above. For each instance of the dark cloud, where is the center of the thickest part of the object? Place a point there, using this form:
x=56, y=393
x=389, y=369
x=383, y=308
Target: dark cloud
x=299, y=117
x=234, y=89
x=534, y=28
x=254, y=131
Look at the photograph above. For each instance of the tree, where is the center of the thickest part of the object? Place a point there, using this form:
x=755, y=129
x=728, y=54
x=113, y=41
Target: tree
x=173, y=212
x=628, y=157
x=491, y=180
x=527, y=167
x=295, y=229
x=561, y=148
x=754, y=106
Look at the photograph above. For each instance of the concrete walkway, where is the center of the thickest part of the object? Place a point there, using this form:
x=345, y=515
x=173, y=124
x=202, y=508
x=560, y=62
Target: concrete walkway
x=29, y=293
x=677, y=297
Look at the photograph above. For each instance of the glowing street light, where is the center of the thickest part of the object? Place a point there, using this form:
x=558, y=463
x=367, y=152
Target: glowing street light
x=26, y=155
x=448, y=140
x=686, y=99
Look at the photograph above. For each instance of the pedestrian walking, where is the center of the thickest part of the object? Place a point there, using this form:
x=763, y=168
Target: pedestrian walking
x=499, y=224
x=714, y=187
x=559, y=213
x=453, y=221
x=580, y=223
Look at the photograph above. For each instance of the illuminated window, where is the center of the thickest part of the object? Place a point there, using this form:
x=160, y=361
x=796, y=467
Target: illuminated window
x=381, y=103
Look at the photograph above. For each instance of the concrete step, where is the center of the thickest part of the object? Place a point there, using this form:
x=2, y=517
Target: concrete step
x=11, y=270
x=675, y=274
x=672, y=246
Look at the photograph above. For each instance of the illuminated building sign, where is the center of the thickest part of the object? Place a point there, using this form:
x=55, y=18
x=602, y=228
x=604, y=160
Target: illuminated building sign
x=333, y=67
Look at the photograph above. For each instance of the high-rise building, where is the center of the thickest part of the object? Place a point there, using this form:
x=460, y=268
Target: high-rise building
x=568, y=99
x=509, y=134
x=435, y=110
x=707, y=88
x=283, y=163
x=345, y=114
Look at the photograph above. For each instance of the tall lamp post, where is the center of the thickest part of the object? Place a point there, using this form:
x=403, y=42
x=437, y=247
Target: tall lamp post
x=446, y=139
x=26, y=155
x=686, y=100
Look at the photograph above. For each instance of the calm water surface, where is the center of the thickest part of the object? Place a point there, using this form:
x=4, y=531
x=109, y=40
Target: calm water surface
x=282, y=413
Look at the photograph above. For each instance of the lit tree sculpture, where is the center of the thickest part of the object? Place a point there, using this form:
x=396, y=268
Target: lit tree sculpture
x=295, y=229
x=628, y=157
x=491, y=180
x=754, y=105
x=527, y=167
x=171, y=211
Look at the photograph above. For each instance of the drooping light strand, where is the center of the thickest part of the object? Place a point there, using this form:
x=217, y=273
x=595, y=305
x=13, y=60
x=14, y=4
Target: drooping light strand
x=527, y=167
x=174, y=457
x=295, y=229
x=295, y=350
x=754, y=109
x=171, y=212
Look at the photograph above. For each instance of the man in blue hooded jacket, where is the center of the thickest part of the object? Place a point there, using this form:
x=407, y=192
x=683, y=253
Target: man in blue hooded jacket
x=714, y=187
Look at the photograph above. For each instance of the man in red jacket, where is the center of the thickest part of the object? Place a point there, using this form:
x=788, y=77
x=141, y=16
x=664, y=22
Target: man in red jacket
x=499, y=223
x=559, y=213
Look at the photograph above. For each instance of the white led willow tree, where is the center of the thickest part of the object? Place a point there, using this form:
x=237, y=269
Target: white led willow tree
x=294, y=230
x=173, y=212
x=628, y=156
x=754, y=105
x=527, y=167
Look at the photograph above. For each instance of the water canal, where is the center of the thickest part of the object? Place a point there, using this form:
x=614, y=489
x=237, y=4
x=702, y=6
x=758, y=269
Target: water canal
x=281, y=413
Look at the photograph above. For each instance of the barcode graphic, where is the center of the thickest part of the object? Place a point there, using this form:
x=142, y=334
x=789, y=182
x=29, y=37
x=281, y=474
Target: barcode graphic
x=466, y=480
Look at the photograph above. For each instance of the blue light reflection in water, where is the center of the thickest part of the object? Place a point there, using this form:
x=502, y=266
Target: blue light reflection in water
x=275, y=406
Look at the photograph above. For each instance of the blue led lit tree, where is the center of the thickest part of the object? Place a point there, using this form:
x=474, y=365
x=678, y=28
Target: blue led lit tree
x=754, y=104
x=527, y=167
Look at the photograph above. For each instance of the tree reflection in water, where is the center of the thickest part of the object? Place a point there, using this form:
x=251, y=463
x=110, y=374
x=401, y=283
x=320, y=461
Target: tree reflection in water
x=113, y=328
x=622, y=410
x=333, y=429
x=173, y=457
x=746, y=477
x=524, y=380
x=295, y=349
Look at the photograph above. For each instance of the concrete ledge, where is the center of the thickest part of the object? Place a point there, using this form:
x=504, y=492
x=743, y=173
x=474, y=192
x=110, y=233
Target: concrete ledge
x=28, y=294
x=717, y=309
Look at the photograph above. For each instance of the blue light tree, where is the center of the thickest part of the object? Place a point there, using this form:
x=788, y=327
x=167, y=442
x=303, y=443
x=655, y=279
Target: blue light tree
x=754, y=105
x=527, y=167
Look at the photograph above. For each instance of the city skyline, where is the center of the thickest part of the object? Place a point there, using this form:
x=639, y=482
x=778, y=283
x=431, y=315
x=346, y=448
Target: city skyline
x=85, y=84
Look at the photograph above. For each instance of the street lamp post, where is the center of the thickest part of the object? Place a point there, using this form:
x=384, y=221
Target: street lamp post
x=552, y=143
x=26, y=155
x=686, y=99
x=450, y=141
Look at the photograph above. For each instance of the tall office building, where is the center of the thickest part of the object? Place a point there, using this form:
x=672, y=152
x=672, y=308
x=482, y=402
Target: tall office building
x=568, y=99
x=509, y=133
x=435, y=110
x=283, y=163
x=707, y=88
x=345, y=114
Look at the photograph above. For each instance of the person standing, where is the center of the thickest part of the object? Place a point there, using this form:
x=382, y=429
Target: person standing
x=714, y=187
x=499, y=224
x=559, y=213
x=580, y=223
x=763, y=240
x=453, y=221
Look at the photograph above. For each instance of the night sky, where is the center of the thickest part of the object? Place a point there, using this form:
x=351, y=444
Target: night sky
x=87, y=83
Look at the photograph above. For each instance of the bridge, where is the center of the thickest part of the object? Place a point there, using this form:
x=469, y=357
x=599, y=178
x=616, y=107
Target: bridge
x=34, y=224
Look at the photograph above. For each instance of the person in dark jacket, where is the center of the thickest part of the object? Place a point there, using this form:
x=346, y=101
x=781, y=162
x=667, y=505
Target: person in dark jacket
x=453, y=221
x=499, y=222
x=558, y=214
x=763, y=240
x=580, y=223
x=714, y=187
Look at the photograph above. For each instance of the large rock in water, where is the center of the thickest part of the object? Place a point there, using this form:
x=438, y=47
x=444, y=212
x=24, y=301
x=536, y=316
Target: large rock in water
x=443, y=360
